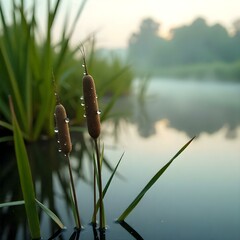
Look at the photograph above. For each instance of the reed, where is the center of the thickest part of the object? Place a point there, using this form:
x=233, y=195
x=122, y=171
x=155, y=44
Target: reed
x=92, y=114
x=64, y=140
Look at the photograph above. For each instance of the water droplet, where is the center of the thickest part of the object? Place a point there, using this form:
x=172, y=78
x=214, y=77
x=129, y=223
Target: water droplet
x=54, y=114
x=82, y=104
x=66, y=120
x=59, y=150
x=99, y=112
x=58, y=141
x=83, y=65
x=84, y=115
x=81, y=98
x=56, y=130
x=55, y=94
x=65, y=155
x=65, y=144
x=96, y=97
x=84, y=73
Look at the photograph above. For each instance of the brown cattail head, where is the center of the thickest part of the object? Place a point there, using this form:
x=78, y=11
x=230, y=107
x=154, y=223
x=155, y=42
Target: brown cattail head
x=91, y=106
x=62, y=129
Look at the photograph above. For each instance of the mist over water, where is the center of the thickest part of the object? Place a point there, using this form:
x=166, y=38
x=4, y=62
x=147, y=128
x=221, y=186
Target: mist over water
x=194, y=107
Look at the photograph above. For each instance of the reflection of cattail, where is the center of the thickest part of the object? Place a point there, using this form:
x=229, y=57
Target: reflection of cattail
x=62, y=129
x=91, y=106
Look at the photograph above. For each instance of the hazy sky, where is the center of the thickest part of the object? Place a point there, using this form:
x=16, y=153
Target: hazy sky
x=115, y=20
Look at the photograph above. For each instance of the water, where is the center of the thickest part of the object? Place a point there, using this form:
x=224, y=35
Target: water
x=198, y=197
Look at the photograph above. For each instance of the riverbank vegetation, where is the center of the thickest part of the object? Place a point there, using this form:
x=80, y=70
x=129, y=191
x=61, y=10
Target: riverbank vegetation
x=197, y=50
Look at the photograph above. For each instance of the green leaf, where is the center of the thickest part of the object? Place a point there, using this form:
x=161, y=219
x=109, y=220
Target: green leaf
x=52, y=215
x=25, y=177
x=150, y=184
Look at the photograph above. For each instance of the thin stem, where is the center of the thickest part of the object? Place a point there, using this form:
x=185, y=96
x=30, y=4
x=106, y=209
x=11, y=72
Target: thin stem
x=74, y=193
x=100, y=184
x=94, y=194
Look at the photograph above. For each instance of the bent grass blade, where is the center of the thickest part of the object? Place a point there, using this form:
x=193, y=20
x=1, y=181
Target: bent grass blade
x=25, y=177
x=51, y=214
x=150, y=184
x=10, y=204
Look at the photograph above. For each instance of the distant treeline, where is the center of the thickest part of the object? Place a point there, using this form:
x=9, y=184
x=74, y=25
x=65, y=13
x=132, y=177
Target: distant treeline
x=196, y=50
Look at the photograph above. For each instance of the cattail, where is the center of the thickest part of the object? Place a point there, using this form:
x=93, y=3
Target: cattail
x=62, y=129
x=91, y=106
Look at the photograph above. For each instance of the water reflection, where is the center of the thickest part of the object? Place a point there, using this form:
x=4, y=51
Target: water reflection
x=51, y=179
x=188, y=108
x=129, y=229
x=191, y=107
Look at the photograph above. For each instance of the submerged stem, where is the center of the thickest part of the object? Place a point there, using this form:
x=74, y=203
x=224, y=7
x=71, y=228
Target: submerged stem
x=74, y=193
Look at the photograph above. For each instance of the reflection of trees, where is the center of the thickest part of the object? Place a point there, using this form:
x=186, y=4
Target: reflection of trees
x=196, y=110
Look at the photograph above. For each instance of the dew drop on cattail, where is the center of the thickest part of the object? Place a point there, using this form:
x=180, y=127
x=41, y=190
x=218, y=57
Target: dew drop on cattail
x=66, y=120
x=82, y=104
x=56, y=130
x=58, y=141
x=99, y=112
x=81, y=98
x=84, y=115
x=83, y=65
x=59, y=150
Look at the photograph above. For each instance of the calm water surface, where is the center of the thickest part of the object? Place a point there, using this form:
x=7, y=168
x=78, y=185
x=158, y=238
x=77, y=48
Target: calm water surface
x=198, y=197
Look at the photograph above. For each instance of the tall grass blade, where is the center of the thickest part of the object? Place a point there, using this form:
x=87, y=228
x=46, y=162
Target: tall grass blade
x=25, y=177
x=150, y=184
x=15, y=88
x=52, y=215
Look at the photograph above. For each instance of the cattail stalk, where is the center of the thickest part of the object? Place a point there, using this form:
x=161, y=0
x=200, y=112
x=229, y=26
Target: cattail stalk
x=64, y=139
x=93, y=123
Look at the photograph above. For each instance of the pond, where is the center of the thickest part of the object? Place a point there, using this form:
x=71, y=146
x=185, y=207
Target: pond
x=198, y=197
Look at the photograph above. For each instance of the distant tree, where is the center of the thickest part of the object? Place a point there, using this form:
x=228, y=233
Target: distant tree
x=190, y=44
x=144, y=44
x=236, y=25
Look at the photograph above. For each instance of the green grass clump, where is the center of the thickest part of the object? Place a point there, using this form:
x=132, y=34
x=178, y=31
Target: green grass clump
x=27, y=59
